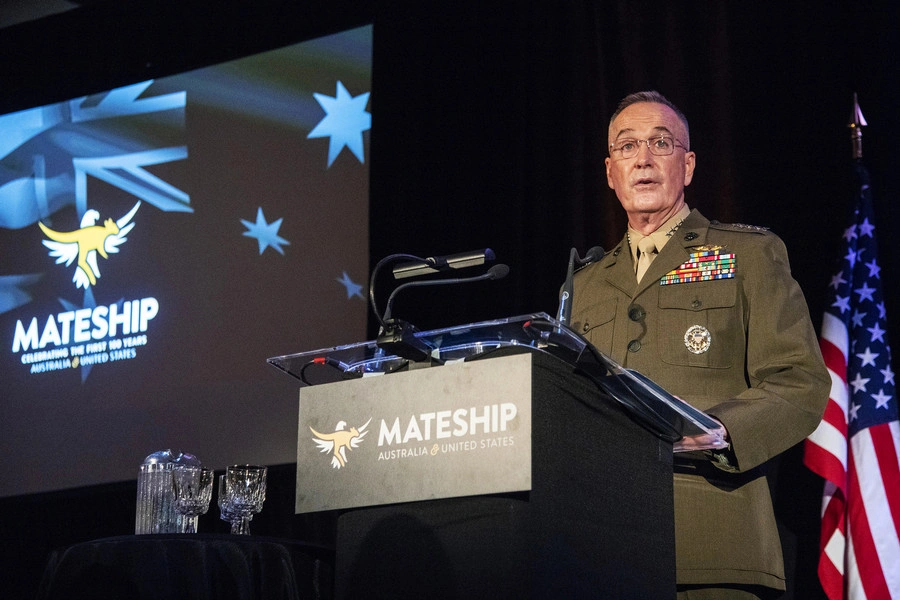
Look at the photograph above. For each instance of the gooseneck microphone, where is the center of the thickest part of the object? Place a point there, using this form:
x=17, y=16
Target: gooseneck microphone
x=496, y=272
x=397, y=336
x=439, y=264
x=564, y=314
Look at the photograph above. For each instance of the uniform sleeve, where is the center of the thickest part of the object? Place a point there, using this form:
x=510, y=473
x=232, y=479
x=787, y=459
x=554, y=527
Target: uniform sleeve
x=789, y=384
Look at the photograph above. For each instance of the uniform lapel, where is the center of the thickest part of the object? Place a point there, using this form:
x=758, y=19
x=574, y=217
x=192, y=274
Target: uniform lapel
x=619, y=269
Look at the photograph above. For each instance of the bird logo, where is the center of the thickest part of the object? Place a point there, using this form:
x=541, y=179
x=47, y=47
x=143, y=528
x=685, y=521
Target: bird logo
x=87, y=242
x=339, y=441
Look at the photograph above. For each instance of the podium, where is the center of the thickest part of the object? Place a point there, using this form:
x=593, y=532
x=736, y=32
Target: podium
x=595, y=519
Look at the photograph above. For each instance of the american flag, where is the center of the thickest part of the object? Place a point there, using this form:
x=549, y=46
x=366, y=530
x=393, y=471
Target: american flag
x=856, y=447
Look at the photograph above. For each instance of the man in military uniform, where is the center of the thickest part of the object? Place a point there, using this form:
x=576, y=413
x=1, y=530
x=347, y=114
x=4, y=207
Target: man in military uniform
x=710, y=312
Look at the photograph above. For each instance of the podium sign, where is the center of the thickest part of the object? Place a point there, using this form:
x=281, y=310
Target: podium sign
x=461, y=429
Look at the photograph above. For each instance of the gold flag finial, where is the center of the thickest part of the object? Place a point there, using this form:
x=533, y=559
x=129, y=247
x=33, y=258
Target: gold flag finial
x=857, y=122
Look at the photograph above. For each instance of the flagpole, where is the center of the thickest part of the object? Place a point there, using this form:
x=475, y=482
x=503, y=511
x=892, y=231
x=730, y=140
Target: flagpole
x=857, y=122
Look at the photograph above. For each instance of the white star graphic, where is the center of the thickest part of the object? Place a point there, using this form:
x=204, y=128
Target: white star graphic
x=866, y=228
x=837, y=280
x=345, y=120
x=888, y=374
x=865, y=292
x=353, y=289
x=265, y=233
x=859, y=383
x=874, y=269
x=868, y=357
x=850, y=233
x=842, y=302
x=857, y=318
x=877, y=332
x=881, y=399
x=854, y=408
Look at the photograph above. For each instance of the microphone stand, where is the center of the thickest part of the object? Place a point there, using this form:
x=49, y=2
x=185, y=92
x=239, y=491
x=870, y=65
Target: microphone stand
x=398, y=337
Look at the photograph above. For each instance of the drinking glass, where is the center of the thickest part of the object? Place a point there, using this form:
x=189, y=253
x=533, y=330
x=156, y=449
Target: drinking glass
x=244, y=494
x=226, y=510
x=193, y=491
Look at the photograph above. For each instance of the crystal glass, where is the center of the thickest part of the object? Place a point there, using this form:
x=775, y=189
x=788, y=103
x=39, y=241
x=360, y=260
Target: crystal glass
x=193, y=491
x=244, y=494
x=226, y=511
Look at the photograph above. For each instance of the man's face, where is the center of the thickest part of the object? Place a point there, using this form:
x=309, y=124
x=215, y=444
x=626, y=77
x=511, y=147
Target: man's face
x=647, y=184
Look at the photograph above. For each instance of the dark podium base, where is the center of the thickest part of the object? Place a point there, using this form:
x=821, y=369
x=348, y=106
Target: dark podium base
x=598, y=522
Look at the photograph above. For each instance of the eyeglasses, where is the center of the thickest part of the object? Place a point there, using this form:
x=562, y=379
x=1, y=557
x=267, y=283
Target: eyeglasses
x=662, y=145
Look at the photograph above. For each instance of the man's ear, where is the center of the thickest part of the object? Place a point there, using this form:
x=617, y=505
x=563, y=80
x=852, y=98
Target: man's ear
x=690, y=161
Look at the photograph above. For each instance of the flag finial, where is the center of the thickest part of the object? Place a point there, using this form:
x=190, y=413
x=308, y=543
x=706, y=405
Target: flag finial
x=857, y=122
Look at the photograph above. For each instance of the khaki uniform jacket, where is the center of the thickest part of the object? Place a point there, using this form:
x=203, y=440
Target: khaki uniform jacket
x=762, y=375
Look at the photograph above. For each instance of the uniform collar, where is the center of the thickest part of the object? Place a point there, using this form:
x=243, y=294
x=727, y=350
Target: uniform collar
x=661, y=236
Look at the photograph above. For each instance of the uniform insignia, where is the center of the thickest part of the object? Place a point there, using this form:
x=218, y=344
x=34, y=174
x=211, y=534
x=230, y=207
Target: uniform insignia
x=738, y=227
x=704, y=265
x=697, y=339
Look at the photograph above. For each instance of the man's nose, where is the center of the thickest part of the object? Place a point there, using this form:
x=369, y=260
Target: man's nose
x=643, y=152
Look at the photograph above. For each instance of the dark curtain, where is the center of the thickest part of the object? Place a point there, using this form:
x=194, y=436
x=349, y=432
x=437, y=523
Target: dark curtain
x=490, y=131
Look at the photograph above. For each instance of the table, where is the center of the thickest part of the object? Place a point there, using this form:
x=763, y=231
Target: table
x=190, y=566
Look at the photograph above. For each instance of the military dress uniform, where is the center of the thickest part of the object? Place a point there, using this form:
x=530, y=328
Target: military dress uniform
x=718, y=321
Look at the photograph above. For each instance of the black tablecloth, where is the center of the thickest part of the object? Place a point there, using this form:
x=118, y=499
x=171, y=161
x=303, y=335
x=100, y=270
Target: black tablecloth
x=191, y=566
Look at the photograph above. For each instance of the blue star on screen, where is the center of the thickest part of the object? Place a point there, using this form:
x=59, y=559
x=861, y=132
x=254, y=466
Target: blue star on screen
x=345, y=120
x=265, y=233
x=353, y=289
x=89, y=302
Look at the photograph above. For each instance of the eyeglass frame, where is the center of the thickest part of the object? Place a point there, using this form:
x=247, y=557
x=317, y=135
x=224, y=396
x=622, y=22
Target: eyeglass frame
x=676, y=143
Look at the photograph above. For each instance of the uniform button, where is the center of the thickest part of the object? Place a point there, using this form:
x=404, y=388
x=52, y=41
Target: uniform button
x=690, y=236
x=636, y=313
x=634, y=345
x=696, y=303
x=585, y=327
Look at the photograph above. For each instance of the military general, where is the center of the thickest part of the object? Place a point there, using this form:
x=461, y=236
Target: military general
x=711, y=312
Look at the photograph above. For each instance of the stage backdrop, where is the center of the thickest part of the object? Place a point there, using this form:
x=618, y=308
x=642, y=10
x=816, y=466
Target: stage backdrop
x=160, y=240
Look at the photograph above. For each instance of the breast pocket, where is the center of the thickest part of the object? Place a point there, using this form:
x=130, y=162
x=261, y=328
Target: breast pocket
x=596, y=322
x=700, y=324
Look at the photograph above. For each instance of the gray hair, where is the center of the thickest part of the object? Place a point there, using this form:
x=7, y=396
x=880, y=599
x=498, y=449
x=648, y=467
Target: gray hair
x=655, y=97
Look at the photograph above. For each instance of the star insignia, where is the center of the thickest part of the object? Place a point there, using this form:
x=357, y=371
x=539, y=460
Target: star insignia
x=868, y=357
x=344, y=122
x=265, y=233
x=353, y=289
x=881, y=399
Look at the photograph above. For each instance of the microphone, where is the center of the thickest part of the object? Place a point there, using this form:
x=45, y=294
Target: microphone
x=398, y=337
x=594, y=254
x=564, y=314
x=436, y=264
x=496, y=272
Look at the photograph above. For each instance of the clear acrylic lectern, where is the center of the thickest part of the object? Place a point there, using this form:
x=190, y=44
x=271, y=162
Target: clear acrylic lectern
x=669, y=417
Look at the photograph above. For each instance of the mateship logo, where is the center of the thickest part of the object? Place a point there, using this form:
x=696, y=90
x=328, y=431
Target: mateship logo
x=87, y=335
x=87, y=242
x=428, y=434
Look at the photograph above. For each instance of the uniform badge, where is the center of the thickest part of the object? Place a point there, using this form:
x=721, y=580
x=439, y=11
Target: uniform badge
x=697, y=339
